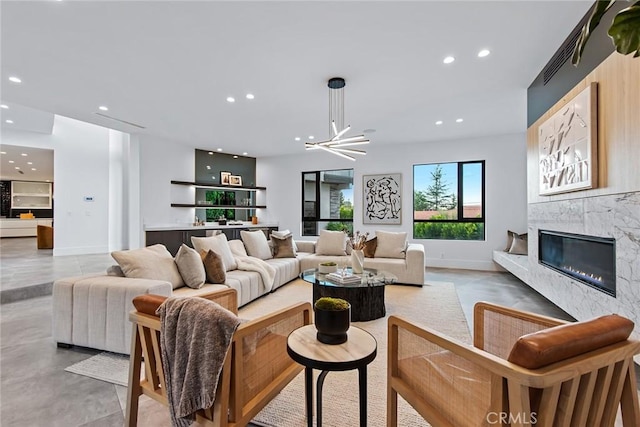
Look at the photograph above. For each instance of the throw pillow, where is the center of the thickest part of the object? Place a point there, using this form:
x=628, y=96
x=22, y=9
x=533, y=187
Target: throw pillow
x=391, y=245
x=214, y=267
x=256, y=244
x=283, y=247
x=369, y=248
x=510, y=235
x=190, y=267
x=219, y=245
x=115, y=270
x=153, y=262
x=331, y=243
x=520, y=244
x=283, y=234
x=237, y=247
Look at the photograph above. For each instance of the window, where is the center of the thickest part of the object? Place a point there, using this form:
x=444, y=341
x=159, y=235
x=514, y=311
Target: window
x=448, y=201
x=327, y=201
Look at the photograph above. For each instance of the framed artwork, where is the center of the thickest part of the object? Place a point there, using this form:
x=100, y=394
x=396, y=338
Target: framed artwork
x=567, y=145
x=224, y=178
x=382, y=199
x=235, y=180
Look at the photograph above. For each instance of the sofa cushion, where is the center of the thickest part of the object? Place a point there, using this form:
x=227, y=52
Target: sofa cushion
x=152, y=262
x=237, y=247
x=217, y=244
x=565, y=341
x=391, y=245
x=256, y=244
x=283, y=247
x=369, y=248
x=331, y=243
x=190, y=267
x=213, y=266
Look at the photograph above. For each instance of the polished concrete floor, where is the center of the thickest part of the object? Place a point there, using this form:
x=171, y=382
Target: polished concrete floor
x=35, y=390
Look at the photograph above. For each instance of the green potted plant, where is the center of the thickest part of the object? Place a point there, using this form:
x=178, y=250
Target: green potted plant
x=327, y=267
x=332, y=319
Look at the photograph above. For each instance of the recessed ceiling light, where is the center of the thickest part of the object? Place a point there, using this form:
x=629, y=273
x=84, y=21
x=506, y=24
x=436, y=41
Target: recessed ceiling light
x=29, y=163
x=210, y=153
x=24, y=154
x=448, y=59
x=250, y=96
x=11, y=161
x=311, y=137
x=439, y=122
x=34, y=169
x=297, y=138
x=219, y=149
x=208, y=167
x=6, y=107
x=9, y=121
x=231, y=99
x=235, y=157
x=483, y=53
x=3, y=152
x=15, y=79
x=245, y=153
x=18, y=167
x=459, y=120
x=103, y=108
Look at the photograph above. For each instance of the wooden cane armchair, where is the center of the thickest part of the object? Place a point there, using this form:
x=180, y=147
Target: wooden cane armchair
x=256, y=368
x=453, y=384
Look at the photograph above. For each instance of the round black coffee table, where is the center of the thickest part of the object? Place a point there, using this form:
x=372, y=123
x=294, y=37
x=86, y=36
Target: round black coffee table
x=366, y=297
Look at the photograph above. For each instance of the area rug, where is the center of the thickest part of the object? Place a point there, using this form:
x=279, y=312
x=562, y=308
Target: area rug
x=435, y=305
x=109, y=367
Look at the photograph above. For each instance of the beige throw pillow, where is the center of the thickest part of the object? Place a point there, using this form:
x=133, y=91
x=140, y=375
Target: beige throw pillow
x=217, y=244
x=391, y=245
x=190, y=267
x=214, y=267
x=283, y=247
x=331, y=243
x=153, y=262
x=256, y=244
x=237, y=247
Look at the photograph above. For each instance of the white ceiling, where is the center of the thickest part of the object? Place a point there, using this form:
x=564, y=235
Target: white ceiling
x=40, y=159
x=170, y=65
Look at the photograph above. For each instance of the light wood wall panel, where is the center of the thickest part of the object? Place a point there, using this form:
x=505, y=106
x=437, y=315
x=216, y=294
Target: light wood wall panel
x=618, y=79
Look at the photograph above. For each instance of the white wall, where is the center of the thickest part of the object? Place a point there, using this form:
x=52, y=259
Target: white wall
x=81, y=169
x=163, y=161
x=505, y=192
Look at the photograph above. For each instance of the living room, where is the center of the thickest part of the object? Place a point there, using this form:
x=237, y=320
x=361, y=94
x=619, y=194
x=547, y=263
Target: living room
x=127, y=172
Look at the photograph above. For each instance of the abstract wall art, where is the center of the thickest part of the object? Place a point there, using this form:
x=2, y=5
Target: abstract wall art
x=567, y=145
x=382, y=199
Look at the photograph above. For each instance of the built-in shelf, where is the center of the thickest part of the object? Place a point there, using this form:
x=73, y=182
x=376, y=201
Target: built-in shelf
x=218, y=187
x=187, y=205
x=30, y=195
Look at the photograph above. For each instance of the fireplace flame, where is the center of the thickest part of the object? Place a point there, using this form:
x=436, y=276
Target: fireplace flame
x=583, y=274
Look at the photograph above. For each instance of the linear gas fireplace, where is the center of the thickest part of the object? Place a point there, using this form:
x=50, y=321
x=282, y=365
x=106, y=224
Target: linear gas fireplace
x=588, y=259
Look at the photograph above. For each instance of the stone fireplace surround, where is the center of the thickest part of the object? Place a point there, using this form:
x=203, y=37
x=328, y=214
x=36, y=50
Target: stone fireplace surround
x=616, y=216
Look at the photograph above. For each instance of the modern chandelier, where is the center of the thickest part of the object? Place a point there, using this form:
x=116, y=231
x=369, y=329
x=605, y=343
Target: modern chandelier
x=338, y=140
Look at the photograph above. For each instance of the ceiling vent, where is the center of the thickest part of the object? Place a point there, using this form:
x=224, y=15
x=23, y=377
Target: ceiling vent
x=563, y=54
x=119, y=120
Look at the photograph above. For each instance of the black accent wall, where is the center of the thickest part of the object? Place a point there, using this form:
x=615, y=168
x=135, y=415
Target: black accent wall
x=541, y=97
x=221, y=162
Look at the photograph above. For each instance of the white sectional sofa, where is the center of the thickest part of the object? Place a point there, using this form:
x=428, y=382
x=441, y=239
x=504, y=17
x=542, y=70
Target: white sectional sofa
x=92, y=311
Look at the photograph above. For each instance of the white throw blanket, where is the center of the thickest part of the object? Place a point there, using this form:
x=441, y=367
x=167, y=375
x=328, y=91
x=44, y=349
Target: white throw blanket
x=267, y=272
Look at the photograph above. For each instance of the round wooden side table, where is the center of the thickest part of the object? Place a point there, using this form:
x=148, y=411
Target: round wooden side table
x=357, y=352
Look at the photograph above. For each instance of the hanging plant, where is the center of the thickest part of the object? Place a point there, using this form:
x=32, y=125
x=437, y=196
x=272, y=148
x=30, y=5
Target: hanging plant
x=624, y=30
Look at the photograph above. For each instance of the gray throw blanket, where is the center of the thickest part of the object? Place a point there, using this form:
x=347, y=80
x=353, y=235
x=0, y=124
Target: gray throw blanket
x=195, y=335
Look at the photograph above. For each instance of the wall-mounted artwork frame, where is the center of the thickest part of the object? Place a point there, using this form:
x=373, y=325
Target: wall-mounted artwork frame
x=567, y=145
x=224, y=178
x=382, y=199
x=235, y=180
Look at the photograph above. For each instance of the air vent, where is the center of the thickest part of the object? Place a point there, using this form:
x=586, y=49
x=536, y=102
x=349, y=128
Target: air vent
x=563, y=54
x=119, y=120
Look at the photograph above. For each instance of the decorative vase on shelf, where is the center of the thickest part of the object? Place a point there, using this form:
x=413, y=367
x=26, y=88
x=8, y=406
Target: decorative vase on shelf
x=357, y=260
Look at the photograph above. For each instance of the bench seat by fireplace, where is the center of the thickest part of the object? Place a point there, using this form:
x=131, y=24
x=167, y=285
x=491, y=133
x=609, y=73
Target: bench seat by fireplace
x=518, y=265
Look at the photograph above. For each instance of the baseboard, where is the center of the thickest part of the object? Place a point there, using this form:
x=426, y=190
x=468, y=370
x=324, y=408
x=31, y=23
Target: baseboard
x=12, y=295
x=86, y=250
x=462, y=264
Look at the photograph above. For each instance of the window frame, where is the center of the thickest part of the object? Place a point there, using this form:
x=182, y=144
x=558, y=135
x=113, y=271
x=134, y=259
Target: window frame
x=460, y=198
x=317, y=208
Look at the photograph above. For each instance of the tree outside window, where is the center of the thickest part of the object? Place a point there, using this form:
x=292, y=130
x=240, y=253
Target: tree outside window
x=448, y=201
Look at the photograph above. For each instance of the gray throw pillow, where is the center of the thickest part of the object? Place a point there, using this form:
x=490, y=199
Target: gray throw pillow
x=283, y=247
x=520, y=244
x=190, y=267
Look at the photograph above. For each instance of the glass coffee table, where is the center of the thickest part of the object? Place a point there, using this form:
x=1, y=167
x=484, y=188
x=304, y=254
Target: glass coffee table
x=366, y=296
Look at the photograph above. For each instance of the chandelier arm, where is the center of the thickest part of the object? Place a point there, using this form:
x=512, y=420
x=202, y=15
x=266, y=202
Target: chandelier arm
x=337, y=153
x=350, y=151
x=342, y=132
